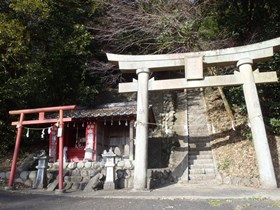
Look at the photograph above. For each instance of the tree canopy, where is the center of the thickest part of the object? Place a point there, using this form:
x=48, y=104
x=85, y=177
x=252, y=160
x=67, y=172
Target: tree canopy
x=45, y=47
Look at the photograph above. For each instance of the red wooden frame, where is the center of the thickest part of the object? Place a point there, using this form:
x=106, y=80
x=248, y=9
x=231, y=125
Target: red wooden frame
x=41, y=120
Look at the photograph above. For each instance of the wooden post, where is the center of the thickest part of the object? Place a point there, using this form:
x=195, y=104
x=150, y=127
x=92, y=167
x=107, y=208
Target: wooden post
x=60, y=132
x=131, y=140
x=95, y=143
x=15, y=156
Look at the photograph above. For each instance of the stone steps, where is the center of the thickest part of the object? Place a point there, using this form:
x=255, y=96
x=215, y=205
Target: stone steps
x=202, y=176
x=179, y=157
x=201, y=166
x=197, y=157
x=200, y=152
x=209, y=170
x=200, y=146
x=201, y=161
x=198, y=139
x=200, y=157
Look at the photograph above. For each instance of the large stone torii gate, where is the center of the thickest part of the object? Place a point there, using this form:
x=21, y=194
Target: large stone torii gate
x=193, y=64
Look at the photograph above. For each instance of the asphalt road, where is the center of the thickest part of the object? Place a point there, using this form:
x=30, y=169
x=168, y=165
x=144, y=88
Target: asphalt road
x=15, y=200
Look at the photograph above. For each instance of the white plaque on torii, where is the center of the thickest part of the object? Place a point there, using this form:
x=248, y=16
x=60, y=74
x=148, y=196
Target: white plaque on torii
x=193, y=64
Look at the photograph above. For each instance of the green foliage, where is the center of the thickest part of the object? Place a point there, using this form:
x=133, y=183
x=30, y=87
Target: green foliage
x=244, y=20
x=276, y=124
x=216, y=203
x=45, y=47
x=34, y=10
x=270, y=97
x=224, y=165
x=247, y=133
x=209, y=28
x=276, y=204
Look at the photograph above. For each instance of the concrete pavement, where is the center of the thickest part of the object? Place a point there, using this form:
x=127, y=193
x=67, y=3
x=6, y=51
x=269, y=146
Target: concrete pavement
x=176, y=191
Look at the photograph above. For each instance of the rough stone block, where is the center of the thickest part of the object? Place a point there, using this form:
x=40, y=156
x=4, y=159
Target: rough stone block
x=255, y=182
x=128, y=164
x=99, y=168
x=53, y=185
x=246, y=182
x=19, y=180
x=68, y=186
x=76, y=172
x=120, y=164
x=72, y=165
x=126, y=150
x=2, y=175
x=86, y=179
x=7, y=175
x=95, y=165
x=93, y=183
x=92, y=172
x=55, y=166
x=80, y=165
x=103, y=171
x=28, y=183
x=50, y=165
x=49, y=176
x=24, y=175
x=67, y=179
x=227, y=180
x=76, y=179
x=88, y=164
x=75, y=186
x=84, y=173
x=65, y=165
x=32, y=175
x=82, y=185
x=117, y=151
x=236, y=180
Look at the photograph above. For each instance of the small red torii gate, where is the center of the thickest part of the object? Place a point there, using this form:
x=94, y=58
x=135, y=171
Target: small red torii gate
x=41, y=120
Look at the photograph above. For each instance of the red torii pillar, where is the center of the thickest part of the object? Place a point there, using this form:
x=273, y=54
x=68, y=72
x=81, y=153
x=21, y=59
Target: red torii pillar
x=41, y=120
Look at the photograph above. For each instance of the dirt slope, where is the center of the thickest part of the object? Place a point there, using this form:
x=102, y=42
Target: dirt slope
x=234, y=152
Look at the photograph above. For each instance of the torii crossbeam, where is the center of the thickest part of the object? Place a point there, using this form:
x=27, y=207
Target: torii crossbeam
x=193, y=64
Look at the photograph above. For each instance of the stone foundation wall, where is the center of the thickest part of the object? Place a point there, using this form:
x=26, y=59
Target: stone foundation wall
x=240, y=181
x=86, y=176
x=164, y=110
x=159, y=177
x=124, y=173
x=78, y=176
x=25, y=178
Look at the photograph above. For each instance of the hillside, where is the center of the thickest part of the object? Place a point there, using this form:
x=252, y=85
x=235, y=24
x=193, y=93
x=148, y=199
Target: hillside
x=234, y=152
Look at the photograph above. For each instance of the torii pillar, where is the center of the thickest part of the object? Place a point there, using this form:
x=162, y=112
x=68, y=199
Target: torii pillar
x=266, y=170
x=141, y=144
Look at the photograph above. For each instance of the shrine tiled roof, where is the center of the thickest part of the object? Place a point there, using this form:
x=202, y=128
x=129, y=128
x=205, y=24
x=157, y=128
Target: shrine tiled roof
x=105, y=110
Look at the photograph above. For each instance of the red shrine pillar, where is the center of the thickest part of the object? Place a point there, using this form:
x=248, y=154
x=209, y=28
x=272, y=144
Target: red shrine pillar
x=15, y=156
